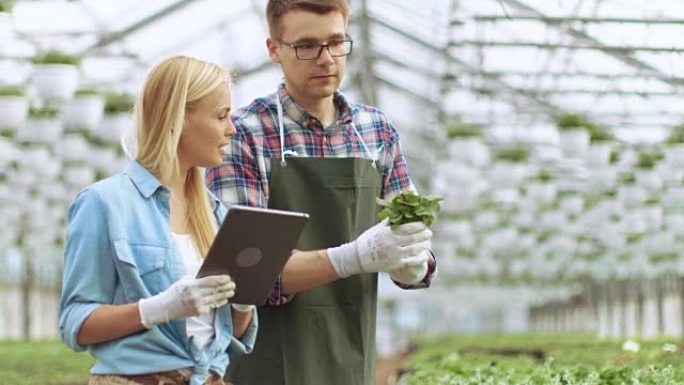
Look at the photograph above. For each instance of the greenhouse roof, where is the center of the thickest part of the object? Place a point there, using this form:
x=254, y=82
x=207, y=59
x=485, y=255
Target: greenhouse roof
x=495, y=62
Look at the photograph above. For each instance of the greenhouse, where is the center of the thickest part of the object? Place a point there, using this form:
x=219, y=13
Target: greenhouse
x=553, y=131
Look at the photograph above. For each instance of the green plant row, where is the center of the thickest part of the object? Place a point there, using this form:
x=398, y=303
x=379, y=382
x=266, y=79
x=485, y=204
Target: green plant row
x=542, y=360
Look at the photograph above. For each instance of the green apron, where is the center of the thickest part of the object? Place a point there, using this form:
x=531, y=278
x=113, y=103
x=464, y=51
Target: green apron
x=325, y=336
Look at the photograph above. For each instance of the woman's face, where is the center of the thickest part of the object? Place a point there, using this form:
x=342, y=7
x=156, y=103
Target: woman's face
x=207, y=130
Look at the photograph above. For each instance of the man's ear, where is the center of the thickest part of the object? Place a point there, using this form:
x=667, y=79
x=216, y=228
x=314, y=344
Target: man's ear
x=273, y=50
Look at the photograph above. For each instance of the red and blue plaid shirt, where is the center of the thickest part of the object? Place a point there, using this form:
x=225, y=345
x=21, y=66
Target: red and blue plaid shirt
x=244, y=176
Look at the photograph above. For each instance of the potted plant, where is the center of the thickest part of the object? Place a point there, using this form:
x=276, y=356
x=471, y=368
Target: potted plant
x=510, y=168
x=646, y=175
x=573, y=134
x=117, y=117
x=13, y=109
x=55, y=74
x=6, y=27
x=541, y=189
x=652, y=213
x=466, y=144
x=84, y=112
x=600, y=145
x=674, y=147
x=43, y=126
x=629, y=193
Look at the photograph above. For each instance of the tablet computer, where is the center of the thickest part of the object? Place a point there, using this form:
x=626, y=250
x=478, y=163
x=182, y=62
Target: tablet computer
x=252, y=247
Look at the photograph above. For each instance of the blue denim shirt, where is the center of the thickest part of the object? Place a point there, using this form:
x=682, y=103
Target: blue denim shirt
x=119, y=249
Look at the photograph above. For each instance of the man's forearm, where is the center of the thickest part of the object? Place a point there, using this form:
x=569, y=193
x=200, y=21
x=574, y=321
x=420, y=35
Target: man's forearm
x=306, y=270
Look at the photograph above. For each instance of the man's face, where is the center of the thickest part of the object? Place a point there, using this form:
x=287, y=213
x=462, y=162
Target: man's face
x=309, y=80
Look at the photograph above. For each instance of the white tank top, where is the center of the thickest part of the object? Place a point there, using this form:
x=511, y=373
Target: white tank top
x=201, y=327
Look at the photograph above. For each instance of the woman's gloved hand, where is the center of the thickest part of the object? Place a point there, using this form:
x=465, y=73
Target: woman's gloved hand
x=187, y=297
x=381, y=248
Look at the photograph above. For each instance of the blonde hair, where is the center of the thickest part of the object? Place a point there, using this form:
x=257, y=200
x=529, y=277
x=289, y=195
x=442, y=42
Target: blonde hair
x=172, y=86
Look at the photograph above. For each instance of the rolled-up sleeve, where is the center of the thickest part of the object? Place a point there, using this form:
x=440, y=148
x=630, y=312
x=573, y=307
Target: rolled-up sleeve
x=245, y=344
x=89, y=272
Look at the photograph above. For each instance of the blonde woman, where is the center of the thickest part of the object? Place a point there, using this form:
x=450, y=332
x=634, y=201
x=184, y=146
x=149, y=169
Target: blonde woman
x=135, y=242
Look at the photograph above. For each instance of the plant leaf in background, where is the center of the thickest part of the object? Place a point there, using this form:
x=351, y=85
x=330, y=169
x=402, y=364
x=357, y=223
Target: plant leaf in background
x=410, y=207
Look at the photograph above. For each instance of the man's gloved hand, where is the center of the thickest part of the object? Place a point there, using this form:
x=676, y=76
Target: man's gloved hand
x=187, y=297
x=381, y=248
x=414, y=271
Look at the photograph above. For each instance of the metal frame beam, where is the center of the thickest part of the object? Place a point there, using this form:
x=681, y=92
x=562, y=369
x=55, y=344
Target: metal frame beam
x=624, y=57
x=577, y=74
x=591, y=47
x=560, y=91
x=579, y=19
x=515, y=94
x=113, y=37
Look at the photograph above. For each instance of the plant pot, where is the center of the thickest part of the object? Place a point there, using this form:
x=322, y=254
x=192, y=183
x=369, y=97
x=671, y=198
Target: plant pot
x=598, y=154
x=79, y=176
x=574, y=143
x=47, y=131
x=6, y=30
x=631, y=196
x=13, y=113
x=653, y=218
x=55, y=81
x=507, y=174
x=674, y=154
x=74, y=148
x=541, y=193
x=114, y=126
x=471, y=151
x=572, y=205
x=8, y=152
x=649, y=179
x=84, y=112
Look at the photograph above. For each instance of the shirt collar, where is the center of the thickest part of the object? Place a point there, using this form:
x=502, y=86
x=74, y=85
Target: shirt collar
x=302, y=116
x=147, y=184
x=142, y=178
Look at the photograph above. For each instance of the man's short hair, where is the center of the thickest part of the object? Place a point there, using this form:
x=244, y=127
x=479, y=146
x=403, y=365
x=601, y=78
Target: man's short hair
x=276, y=9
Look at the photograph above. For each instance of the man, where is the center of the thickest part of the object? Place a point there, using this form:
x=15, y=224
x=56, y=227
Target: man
x=305, y=148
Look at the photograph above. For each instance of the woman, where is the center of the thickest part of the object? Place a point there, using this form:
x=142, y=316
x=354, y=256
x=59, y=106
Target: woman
x=135, y=242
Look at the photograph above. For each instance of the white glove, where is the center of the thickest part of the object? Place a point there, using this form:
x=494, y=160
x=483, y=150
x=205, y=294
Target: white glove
x=187, y=297
x=415, y=271
x=381, y=248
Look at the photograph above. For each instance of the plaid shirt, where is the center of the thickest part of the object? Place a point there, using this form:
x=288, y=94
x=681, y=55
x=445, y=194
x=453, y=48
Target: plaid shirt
x=243, y=177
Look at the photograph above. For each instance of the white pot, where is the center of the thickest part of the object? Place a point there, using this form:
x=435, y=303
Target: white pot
x=8, y=152
x=84, y=112
x=13, y=112
x=573, y=204
x=6, y=30
x=74, y=148
x=472, y=151
x=670, y=175
x=541, y=193
x=598, y=154
x=506, y=197
x=35, y=158
x=649, y=179
x=653, y=217
x=507, y=174
x=574, y=143
x=55, y=81
x=113, y=127
x=673, y=198
x=631, y=196
x=674, y=154
x=79, y=176
x=601, y=179
x=47, y=131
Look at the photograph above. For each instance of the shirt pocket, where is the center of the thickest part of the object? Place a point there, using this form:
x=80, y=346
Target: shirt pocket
x=141, y=268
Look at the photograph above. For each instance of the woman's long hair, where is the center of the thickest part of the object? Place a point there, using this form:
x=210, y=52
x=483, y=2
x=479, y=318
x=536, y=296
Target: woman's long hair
x=171, y=87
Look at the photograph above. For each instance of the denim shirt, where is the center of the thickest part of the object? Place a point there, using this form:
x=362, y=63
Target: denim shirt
x=119, y=249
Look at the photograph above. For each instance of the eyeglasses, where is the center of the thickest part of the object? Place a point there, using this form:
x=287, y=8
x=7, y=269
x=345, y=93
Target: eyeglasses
x=307, y=51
